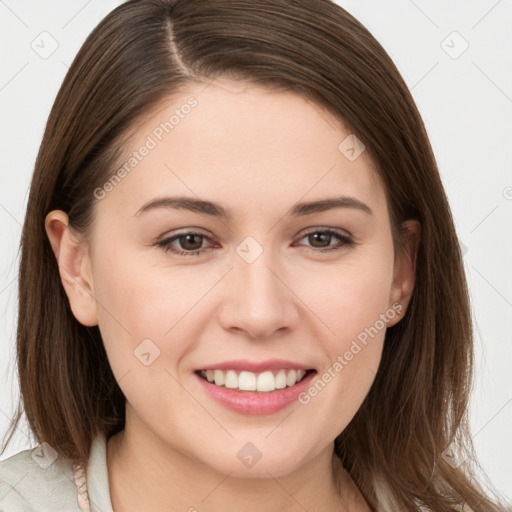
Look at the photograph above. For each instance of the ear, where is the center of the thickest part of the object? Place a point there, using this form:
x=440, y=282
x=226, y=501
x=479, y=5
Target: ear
x=74, y=267
x=405, y=269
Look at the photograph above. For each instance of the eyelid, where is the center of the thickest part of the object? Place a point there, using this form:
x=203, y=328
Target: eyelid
x=198, y=231
x=165, y=242
x=185, y=231
x=338, y=231
x=344, y=237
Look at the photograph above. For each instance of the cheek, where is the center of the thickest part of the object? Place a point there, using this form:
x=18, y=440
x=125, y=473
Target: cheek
x=138, y=302
x=145, y=328
x=348, y=297
x=352, y=304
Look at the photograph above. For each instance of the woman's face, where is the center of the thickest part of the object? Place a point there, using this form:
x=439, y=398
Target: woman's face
x=270, y=292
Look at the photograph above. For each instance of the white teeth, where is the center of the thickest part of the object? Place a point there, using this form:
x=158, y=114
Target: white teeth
x=231, y=380
x=218, y=375
x=266, y=381
x=249, y=381
x=291, y=378
x=281, y=379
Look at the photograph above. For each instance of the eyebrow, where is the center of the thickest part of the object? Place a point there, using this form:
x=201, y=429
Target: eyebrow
x=216, y=210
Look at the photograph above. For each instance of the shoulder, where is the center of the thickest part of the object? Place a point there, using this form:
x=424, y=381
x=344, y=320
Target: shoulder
x=37, y=480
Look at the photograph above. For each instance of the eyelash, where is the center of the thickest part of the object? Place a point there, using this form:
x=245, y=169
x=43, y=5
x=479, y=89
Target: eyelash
x=165, y=244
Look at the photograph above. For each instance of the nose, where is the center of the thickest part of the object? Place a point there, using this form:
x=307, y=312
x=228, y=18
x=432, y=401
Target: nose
x=258, y=299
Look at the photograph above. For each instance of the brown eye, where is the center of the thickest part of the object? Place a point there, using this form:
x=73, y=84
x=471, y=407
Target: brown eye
x=321, y=238
x=192, y=241
x=189, y=244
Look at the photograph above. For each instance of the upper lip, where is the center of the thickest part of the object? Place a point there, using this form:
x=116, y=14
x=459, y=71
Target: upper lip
x=256, y=366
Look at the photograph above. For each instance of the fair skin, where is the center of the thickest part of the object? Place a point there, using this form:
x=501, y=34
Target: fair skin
x=256, y=153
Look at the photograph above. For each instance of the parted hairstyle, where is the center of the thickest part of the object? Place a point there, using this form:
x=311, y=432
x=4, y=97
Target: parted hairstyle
x=145, y=51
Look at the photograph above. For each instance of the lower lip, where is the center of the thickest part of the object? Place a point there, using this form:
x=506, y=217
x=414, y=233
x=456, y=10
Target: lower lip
x=254, y=402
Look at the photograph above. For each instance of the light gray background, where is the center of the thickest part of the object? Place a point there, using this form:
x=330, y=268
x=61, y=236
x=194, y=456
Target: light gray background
x=465, y=98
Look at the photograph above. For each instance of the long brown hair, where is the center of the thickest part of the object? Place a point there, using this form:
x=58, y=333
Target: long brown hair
x=144, y=51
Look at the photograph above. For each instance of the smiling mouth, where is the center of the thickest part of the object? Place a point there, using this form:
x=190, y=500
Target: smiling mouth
x=267, y=381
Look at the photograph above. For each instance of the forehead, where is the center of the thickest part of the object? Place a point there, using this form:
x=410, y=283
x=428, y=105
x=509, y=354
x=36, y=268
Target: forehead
x=244, y=145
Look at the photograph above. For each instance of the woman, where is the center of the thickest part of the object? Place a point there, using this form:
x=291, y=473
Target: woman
x=255, y=369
